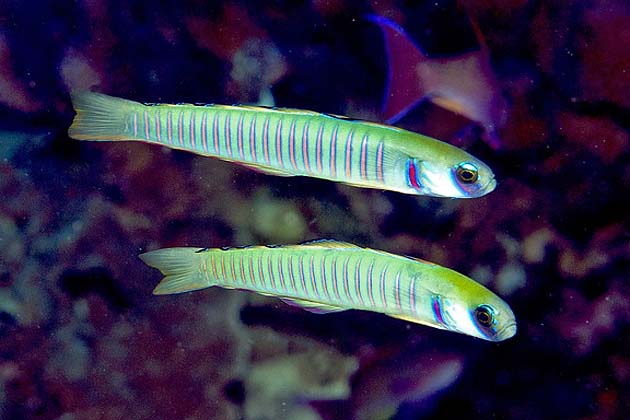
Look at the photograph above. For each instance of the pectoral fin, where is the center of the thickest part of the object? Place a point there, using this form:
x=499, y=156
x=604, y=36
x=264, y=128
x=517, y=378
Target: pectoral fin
x=409, y=318
x=405, y=318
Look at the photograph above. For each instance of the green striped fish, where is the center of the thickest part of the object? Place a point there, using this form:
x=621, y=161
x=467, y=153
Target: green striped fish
x=290, y=142
x=329, y=276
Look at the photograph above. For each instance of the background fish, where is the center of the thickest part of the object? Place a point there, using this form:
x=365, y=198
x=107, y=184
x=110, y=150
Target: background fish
x=329, y=276
x=464, y=84
x=291, y=142
x=409, y=376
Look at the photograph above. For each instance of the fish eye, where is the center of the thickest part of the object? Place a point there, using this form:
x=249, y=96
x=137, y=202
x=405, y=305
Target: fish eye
x=484, y=315
x=467, y=173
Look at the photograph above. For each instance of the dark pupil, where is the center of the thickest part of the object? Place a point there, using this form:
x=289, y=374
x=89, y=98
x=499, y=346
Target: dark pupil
x=484, y=317
x=467, y=176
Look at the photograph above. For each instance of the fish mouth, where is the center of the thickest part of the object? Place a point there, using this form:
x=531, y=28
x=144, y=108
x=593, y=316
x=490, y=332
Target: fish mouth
x=482, y=190
x=490, y=185
x=506, y=332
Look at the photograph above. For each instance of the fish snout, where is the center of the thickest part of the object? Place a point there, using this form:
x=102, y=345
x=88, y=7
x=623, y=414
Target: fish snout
x=506, y=332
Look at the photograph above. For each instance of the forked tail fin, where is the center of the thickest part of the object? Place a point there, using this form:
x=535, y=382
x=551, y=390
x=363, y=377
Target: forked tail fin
x=181, y=268
x=404, y=88
x=100, y=117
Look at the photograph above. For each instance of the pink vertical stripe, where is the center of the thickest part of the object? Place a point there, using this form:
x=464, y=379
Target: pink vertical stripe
x=180, y=128
x=215, y=132
x=279, y=143
x=146, y=125
x=346, y=279
x=135, y=124
x=239, y=137
x=223, y=272
x=292, y=145
x=379, y=161
x=204, y=267
x=266, y=140
x=281, y=273
x=204, y=131
x=348, y=157
x=291, y=275
x=228, y=135
x=251, y=271
x=232, y=270
x=305, y=151
x=382, y=287
x=252, y=139
x=363, y=163
x=311, y=266
x=270, y=267
x=213, y=263
x=357, y=281
x=192, y=130
x=318, y=148
x=370, y=284
x=261, y=273
x=302, y=277
x=324, y=279
x=412, y=294
x=333, y=152
x=242, y=267
x=334, y=279
x=397, y=291
x=158, y=132
x=169, y=126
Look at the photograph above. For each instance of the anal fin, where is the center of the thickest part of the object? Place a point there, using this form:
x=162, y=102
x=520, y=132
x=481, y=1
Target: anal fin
x=266, y=169
x=315, y=307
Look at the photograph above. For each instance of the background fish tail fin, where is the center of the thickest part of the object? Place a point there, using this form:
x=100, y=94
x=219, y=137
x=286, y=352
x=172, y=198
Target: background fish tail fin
x=181, y=269
x=99, y=117
x=404, y=87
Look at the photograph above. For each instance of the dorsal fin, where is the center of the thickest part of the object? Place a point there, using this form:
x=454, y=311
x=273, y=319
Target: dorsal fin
x=420, y=260
x=270, y=109
x=328, y=243
x=276, y=109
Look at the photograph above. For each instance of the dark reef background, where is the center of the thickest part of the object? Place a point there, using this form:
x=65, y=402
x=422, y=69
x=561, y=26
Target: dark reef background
x=81, y=336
